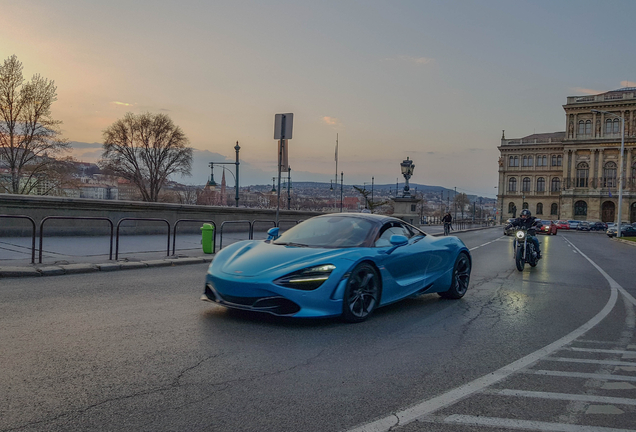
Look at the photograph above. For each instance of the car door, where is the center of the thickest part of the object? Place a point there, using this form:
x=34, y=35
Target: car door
x=404, y=265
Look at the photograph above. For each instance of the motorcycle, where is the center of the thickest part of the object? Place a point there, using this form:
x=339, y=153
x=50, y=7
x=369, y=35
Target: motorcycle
x=524, y=249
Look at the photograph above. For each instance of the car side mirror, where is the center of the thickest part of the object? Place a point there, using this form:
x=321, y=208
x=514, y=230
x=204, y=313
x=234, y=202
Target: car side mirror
x=397, y=241
x=272, y=233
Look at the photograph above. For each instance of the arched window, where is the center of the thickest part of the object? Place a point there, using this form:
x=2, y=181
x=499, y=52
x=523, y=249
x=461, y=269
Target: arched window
x=539, y=208
x=525, y=205
x=556, y=184
x=608, y=126
x=582, y=173
x=557, y=160
x=554, y=208
x=617, y=126
x=513, y=161
x=512, y=185
x=580, y=208
x=581, y=128
x=511, y=207
x=527, y=161
x=526, y=184
x=540, y=184
x=609, y=174
x=588, y=127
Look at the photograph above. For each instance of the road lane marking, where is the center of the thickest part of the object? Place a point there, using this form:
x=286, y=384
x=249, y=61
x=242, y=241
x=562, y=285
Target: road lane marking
x=590, y=361
x=562, y=396
x=429, y=406
x=605, y=351
x=586, y=375
x=526, y=424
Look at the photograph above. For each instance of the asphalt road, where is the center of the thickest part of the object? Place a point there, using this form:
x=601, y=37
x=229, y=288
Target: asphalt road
x=137, y=351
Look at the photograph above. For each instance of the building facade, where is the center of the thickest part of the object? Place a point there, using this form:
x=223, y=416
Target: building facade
x=574, y=174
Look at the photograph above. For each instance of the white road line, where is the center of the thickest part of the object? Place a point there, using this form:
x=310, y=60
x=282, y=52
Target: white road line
x=595, y=341
x=563, y=396
x=431, y=405
x=606, y=351
x=589, y=361
x=472, y=249
x=585, y=375
x=526, y=424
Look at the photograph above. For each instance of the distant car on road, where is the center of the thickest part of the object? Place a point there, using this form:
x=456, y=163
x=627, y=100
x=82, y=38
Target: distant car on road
x=509, y=231
x=598, y=226
x=626, y=231
x=562, y=224
x=583, y=226
x=573, y=224
x=549, y=228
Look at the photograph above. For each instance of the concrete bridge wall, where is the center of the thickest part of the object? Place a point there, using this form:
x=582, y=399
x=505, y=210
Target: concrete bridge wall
x=39, y=207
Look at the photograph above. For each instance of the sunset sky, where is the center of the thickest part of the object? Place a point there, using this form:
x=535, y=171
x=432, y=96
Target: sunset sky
x=434, y=81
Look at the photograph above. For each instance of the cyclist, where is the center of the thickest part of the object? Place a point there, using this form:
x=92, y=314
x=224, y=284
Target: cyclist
x=448, y=220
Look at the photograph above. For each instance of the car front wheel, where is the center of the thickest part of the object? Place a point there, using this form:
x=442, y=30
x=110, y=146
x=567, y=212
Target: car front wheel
x=362, y=294
x=460, y=278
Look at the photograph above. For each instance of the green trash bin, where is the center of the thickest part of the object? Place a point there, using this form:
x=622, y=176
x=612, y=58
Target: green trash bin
x=207, y=238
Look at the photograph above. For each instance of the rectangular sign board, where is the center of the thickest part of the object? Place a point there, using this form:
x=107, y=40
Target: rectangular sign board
x=283, y=124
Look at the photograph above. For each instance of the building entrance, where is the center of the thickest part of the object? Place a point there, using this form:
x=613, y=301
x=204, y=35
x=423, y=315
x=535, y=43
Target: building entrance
x=608, y=211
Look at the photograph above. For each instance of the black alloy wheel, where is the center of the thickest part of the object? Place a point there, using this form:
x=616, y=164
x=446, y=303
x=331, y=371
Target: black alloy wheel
x=460, y=278
x=362, y=294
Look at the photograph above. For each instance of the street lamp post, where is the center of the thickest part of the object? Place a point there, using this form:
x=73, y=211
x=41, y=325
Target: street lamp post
x=620, y=175
x=236, y=164
x=288, y=188
x=407, y=168
x=341, y=188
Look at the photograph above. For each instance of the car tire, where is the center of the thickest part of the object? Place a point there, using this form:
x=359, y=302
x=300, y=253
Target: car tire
x=460, y=278
x=362, y=294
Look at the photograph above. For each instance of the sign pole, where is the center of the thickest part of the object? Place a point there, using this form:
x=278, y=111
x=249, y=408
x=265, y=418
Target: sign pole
x=280, y=161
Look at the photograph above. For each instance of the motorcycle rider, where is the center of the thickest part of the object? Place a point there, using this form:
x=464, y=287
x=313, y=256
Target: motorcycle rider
x=525, y=220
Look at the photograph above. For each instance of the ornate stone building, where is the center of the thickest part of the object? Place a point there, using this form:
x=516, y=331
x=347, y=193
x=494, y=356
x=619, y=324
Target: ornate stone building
x=574, y=174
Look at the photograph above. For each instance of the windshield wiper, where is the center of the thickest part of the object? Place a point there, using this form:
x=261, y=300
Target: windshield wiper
x=292, y=244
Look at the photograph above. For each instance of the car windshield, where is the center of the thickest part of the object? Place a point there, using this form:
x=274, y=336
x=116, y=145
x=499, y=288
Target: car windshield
x=328, y=232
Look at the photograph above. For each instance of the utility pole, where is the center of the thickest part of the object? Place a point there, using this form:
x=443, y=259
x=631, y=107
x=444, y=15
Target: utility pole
x=341, y=187
x=288, y=188
x=455, y=200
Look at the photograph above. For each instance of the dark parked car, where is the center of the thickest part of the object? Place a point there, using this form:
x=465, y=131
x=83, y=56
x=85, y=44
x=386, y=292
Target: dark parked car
x=626, y=230
x=598, y=226
x=583, y=226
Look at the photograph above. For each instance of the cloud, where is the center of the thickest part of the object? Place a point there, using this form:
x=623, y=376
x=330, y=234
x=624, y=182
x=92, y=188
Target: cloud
x=586, y=91
x=122, y=103
x=416, y=60
x=331, y=121
x=628, y=84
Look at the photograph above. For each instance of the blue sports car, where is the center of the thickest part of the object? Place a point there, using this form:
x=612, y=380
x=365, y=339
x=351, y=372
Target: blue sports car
x=345, y=264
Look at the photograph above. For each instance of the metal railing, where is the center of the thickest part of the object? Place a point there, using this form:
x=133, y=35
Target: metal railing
x=255, y=221
x=174, y=231
x=110, y=256
x=249, y=230
x=32, y=232
x=139, y=219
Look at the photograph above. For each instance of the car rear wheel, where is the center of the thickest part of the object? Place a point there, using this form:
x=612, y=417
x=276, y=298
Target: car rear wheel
x=362, y=294
x=460, y=278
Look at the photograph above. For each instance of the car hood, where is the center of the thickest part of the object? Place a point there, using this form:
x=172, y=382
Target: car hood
x=254, y=258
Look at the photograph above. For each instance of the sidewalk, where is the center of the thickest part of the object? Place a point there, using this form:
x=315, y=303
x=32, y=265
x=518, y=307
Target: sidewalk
x=69, y=255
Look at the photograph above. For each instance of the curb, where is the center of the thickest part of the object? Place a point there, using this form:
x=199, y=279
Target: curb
x=53, y=270
x=629, y=242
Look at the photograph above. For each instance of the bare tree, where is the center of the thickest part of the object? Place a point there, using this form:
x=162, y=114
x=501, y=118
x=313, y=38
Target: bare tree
x=371, y=205
x=146, y=149
x=461, y=201
x=29, y=137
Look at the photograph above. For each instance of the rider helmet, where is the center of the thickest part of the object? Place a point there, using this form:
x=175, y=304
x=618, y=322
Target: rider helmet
x=526, y=213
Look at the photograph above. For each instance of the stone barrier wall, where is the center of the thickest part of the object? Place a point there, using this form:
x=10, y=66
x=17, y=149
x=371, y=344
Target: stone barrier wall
x=39, y=207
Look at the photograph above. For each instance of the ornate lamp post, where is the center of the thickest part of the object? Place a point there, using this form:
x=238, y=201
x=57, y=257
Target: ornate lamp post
x=236, y=177
x=407, y=168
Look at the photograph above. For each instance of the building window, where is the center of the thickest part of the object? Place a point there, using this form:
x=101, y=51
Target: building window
x=539, y=208
x=556, y=184
x=525, y=205
x=580, y=208
x=557, y=160
x=582, y=173
x=609, y=174
x=511, y=208
x=554, y=209
x=588, y=127
x=581, y=127
x=542, y=161
x=527, y=161
x=513, y=161
x=634, y=174
x=413, y=207
x=512, y=185
x=612, y=126
x=540, y=184
x=526, y=184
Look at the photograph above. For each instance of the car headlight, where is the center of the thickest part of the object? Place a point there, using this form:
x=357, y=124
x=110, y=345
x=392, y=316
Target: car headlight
x=520, y=234
x=307, y=279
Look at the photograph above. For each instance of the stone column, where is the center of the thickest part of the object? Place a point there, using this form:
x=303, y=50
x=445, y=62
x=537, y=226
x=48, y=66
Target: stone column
x=572, y=166
x=576, y=125
x=593, y=184
x=599, y=173
x=628, y=170
x=602, y=124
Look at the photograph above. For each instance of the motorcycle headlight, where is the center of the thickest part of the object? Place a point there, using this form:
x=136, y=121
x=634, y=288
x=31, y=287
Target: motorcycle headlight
x=520, y=234
x=307, y=279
